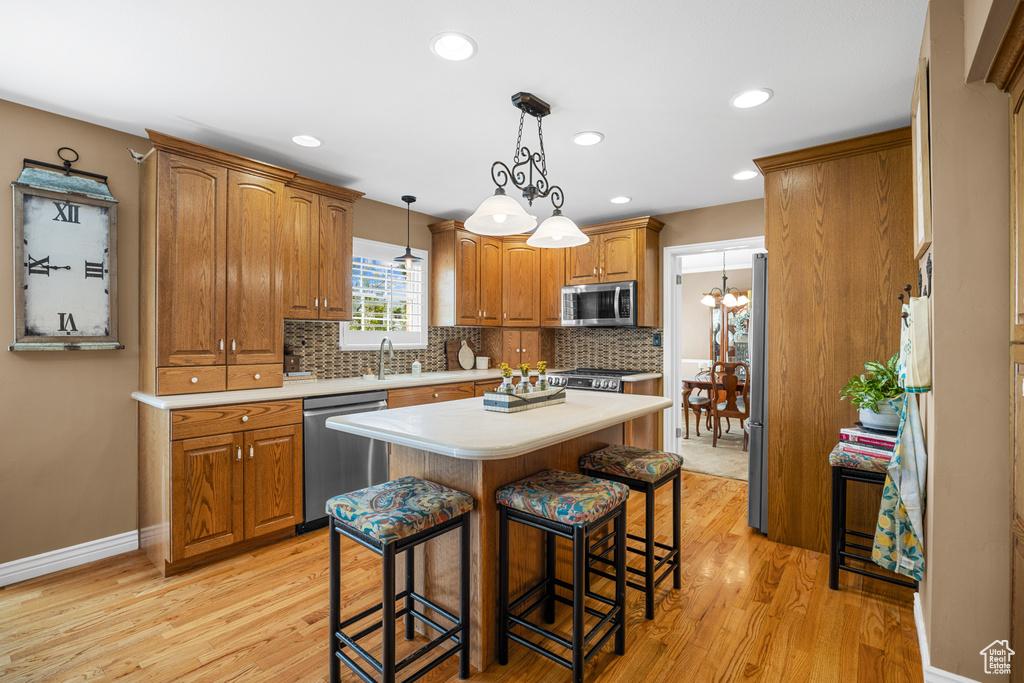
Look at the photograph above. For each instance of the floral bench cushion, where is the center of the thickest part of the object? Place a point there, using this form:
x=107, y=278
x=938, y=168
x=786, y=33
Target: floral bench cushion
x=564, y=497
x=632, y=462
x=399, y=508
x=842, y=456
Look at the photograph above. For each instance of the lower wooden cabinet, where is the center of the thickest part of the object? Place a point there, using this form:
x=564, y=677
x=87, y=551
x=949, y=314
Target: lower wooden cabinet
x=415, y=396
x=643, y=432
x=209, y=487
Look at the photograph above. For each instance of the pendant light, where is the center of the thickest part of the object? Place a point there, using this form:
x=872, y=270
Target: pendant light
x=726, y=293
x=408, y=257
x=501, y=215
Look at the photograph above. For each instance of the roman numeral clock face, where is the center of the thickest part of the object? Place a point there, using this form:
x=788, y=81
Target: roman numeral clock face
x=67, y=274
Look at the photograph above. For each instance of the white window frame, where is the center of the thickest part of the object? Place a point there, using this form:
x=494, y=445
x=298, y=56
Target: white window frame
x=353, y=340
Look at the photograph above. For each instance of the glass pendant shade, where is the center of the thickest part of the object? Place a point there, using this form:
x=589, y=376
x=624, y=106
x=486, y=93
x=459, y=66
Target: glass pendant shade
x=742, y=299
x=408, y=258
x=729, y=299
x=557, y=232
x=709, y=300
x=500, y=215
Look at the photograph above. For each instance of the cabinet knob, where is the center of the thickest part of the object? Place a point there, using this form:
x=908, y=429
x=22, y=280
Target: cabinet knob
x=194, y=380
x=245, y=418
x=257, y=375
x=435, y=394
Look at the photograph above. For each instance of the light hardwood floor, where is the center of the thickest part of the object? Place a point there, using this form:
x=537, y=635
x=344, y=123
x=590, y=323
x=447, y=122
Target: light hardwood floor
x=749, y=609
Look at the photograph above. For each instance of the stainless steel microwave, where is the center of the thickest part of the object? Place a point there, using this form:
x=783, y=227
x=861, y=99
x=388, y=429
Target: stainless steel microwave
x=605, y=304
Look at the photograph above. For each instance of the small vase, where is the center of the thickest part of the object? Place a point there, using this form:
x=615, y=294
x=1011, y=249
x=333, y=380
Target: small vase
x=506, y=386
x=885, y=420
x=542, y=383
x=524, y=386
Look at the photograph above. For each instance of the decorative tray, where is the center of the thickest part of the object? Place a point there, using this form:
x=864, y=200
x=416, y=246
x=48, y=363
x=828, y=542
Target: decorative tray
x=513, y=403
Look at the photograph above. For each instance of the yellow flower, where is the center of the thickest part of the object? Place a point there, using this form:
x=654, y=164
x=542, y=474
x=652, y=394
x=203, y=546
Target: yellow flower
x=542, y=366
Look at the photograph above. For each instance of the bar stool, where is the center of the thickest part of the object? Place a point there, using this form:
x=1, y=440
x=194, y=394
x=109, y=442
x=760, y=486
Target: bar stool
x=642, y=470
x=388, y=519
x=571, y=506
x=847, y=467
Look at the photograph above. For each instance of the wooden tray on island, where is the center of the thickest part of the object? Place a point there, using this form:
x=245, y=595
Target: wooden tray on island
x=500, y=402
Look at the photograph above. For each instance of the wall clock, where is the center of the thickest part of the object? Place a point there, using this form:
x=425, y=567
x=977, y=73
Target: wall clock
x=65, y=260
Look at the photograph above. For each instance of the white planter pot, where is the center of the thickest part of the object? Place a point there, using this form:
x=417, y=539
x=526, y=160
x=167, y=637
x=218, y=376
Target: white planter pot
x=886, y=419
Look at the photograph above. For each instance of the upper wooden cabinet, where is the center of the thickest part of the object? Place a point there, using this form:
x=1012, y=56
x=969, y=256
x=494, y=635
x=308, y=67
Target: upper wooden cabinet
x=465, y=277
x=227, y=244
x=619, y=252
x=520, y=301
x=552, y=278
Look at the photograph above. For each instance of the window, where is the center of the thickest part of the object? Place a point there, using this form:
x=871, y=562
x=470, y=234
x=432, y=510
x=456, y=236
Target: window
x=388, y=300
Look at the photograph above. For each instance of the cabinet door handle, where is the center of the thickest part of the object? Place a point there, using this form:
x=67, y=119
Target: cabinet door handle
x=250, y=452
x=325, y=302
x=600, y=271
x=239, y=453
x=595, y=271
x=232, y=346
x=504, y=315
x=257, y=376
x=245, y=418
x=316, y=302
x=221, y=344
x=485, y=313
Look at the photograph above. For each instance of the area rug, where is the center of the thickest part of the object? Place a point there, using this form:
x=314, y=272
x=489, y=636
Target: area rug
x=726, y=460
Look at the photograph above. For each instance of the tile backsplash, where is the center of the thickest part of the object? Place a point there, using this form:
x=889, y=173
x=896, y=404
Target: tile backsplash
x=616, y=348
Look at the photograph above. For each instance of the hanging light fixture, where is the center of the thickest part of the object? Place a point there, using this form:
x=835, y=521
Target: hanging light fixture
x=408, y=257
x=725, y=293
x=501, y=215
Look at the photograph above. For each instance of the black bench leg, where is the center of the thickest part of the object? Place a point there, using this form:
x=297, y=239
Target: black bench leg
x=549, y=556
x=410, y=585
x=579, y=571
x=388, y=615
x=838, y=522
x=649, y=551
x=502, y=585
x=464, y=611
x=620, y=581
x=335, y=608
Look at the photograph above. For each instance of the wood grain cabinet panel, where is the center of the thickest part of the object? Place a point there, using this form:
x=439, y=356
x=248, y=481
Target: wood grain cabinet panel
x=335, y=259
x=195, y=380
x=552, y=279
x=207, y=475
x=521, y=286
x=491, y=279
x=273, y=479
x=191, y=261
x=618, y=256
x=254, y=376
x=193, y=422
x=581, y=263
x=467, y=278
x=301, y=255
x=256, y=210
x=414, y=396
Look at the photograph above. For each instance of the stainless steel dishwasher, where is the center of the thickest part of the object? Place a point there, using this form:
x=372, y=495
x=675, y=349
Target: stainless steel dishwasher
x=335, y=462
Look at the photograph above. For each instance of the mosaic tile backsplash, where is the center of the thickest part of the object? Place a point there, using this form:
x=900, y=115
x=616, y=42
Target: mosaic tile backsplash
x=621, y=348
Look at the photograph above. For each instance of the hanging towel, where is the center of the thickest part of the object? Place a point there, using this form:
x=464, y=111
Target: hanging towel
x=915, y=366
x=898, y=535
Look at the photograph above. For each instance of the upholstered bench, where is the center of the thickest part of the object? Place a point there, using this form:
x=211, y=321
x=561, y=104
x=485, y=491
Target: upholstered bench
x=571, y=506
x=642, y=470
x=388, y=519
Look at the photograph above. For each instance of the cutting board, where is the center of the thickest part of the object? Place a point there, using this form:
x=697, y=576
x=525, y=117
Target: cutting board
x=451, y=353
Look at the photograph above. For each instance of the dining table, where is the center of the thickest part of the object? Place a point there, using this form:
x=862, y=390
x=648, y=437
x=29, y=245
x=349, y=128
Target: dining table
x=701, y=382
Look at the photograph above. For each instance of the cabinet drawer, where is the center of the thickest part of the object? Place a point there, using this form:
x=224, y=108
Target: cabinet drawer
x=414, y=396
x=193, y=422
x=254, y=376
x=190, y=380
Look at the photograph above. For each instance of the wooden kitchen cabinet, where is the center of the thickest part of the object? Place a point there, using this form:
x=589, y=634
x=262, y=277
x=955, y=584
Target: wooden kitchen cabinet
x=619, y=252
x=414, y=396
x=521, y=284
x=643, y=432
x=226, y=245
x=552, y=279
x=465, y=277
x=216, y=480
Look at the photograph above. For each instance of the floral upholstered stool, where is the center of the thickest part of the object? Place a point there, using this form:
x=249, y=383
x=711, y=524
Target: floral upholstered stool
x=388, y=519
x=850, y=463
x=642, y=470
x=571, y=506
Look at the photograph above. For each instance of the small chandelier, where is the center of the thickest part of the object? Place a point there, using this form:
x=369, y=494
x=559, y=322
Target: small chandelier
x=501, y=215
x=726, y=293
x=408, y=257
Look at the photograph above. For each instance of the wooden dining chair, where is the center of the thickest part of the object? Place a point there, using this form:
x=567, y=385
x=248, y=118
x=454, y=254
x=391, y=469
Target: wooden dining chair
x=736, y=403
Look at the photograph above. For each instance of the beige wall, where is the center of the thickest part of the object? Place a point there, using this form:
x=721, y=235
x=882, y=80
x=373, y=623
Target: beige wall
x=386, y=223
x=695, y=317
x=714, y=223
x=965, y=594
x=984, y=24
x=68, y=459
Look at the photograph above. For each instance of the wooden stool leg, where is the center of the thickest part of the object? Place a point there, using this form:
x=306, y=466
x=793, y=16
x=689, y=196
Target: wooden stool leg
x=464, y=611
x=620, y=580
x=579, y=570
x=502, y=585
x=836, y=540
x=649, y=551
x=388, y=615
x=335, y=607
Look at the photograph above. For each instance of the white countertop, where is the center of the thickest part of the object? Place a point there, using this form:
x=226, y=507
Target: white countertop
x=325, y=387
x=463, y=429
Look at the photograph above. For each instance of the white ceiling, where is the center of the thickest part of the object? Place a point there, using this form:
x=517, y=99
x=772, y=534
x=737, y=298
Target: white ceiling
x=654, y=76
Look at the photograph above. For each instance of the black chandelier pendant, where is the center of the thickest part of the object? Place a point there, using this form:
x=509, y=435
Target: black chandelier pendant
x=529, y=172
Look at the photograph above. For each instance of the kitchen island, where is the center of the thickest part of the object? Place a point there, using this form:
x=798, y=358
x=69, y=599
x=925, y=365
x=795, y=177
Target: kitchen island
x=460, y=445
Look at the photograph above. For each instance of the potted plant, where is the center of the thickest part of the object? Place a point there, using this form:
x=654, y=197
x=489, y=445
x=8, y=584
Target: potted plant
x=524, y=386
x=506, y=380
x=872, y=394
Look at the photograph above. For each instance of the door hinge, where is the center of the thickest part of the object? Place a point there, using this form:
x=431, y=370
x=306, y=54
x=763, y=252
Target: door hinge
x=679, y=279
x=679, y=432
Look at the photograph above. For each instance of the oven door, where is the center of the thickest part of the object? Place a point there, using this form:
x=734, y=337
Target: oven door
x=608, y=304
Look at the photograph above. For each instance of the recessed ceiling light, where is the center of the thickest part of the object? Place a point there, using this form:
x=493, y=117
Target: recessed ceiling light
x=306, y=141
x=744, y=175
x=751, y=98
x=621, y=200
x=452, y=46
x=587, y=138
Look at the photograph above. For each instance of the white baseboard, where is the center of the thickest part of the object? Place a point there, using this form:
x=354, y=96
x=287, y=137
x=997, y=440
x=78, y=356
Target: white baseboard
x=931, y=674
x=55, y=560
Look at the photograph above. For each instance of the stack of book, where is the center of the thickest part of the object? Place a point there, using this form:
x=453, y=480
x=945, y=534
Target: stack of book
x=867, y=442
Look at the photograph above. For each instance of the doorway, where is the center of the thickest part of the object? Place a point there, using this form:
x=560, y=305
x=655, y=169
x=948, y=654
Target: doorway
x=694, y=338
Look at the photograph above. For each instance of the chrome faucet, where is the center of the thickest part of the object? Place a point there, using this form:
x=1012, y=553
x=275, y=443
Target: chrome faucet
x=391, y=356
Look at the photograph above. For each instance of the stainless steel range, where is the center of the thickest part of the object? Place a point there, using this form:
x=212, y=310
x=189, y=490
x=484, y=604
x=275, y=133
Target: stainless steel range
x=591, y=379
